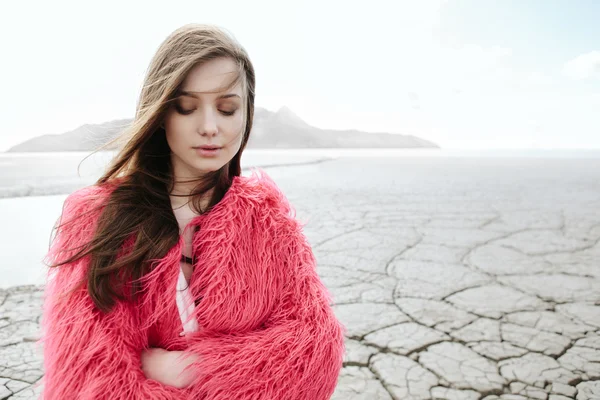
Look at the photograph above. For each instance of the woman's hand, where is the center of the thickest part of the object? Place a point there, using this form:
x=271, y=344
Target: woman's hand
x=167, y=367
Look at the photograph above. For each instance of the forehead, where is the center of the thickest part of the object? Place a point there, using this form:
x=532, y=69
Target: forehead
x=211, y=76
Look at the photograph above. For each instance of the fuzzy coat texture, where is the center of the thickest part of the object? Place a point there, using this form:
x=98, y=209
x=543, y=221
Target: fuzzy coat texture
x=266, y=327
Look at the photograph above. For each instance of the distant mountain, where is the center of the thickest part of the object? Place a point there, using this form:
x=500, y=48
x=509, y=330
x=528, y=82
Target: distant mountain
x=85, y=138
x=281, y=129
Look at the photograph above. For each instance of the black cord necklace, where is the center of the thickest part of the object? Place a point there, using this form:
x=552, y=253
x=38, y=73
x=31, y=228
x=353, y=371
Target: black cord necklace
x=187, y=259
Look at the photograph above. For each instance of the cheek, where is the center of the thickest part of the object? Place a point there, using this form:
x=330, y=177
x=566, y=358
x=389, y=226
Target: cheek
x=235, y=127
x=176, y=129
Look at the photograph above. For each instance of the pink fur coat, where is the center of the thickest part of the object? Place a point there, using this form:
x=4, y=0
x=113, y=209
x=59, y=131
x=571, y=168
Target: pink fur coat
x=266, y=328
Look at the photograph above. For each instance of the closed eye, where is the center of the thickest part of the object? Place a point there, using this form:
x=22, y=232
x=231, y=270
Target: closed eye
x=183, y=111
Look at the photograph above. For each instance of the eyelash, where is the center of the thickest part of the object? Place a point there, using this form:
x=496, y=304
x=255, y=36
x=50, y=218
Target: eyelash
x=188, y=112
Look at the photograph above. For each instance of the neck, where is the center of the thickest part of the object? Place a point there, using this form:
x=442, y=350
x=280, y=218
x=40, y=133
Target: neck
x=181, y=196
x=183, y=184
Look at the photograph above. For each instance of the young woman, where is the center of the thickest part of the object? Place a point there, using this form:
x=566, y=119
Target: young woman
x=173, y=276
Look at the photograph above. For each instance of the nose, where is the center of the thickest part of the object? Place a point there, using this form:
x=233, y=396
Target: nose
x=207, y=124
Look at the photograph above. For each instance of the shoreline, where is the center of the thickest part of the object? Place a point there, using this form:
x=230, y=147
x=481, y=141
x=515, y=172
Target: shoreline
x=62, y=188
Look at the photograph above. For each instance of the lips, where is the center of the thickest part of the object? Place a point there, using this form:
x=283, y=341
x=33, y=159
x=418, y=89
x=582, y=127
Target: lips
x=207, y=147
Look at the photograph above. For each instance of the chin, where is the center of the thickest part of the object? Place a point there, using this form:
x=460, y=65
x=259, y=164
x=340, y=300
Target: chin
x=205, y=166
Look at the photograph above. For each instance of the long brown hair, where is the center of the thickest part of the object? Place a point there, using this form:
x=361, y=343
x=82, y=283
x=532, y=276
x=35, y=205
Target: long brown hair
x=138, y=211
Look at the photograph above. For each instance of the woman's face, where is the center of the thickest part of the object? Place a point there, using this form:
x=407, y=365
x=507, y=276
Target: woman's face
x=198, y=118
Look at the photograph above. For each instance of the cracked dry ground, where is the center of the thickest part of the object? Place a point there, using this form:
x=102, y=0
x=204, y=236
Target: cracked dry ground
x=456, y=278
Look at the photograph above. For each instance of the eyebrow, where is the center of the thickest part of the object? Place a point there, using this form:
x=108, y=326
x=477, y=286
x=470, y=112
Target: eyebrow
x=191, y=94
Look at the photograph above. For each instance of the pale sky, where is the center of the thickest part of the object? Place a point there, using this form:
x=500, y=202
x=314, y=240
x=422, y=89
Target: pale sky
x=463, y=74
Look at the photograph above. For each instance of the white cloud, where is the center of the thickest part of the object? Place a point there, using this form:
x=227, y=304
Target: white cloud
x=459, y=67
x=584, y=66
x=537, y=78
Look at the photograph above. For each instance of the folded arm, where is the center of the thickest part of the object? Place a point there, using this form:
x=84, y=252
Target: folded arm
x=88, y=354
x=299, y=352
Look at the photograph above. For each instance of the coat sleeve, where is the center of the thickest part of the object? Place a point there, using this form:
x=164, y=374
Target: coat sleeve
x=296, y=355
x=88, y=354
